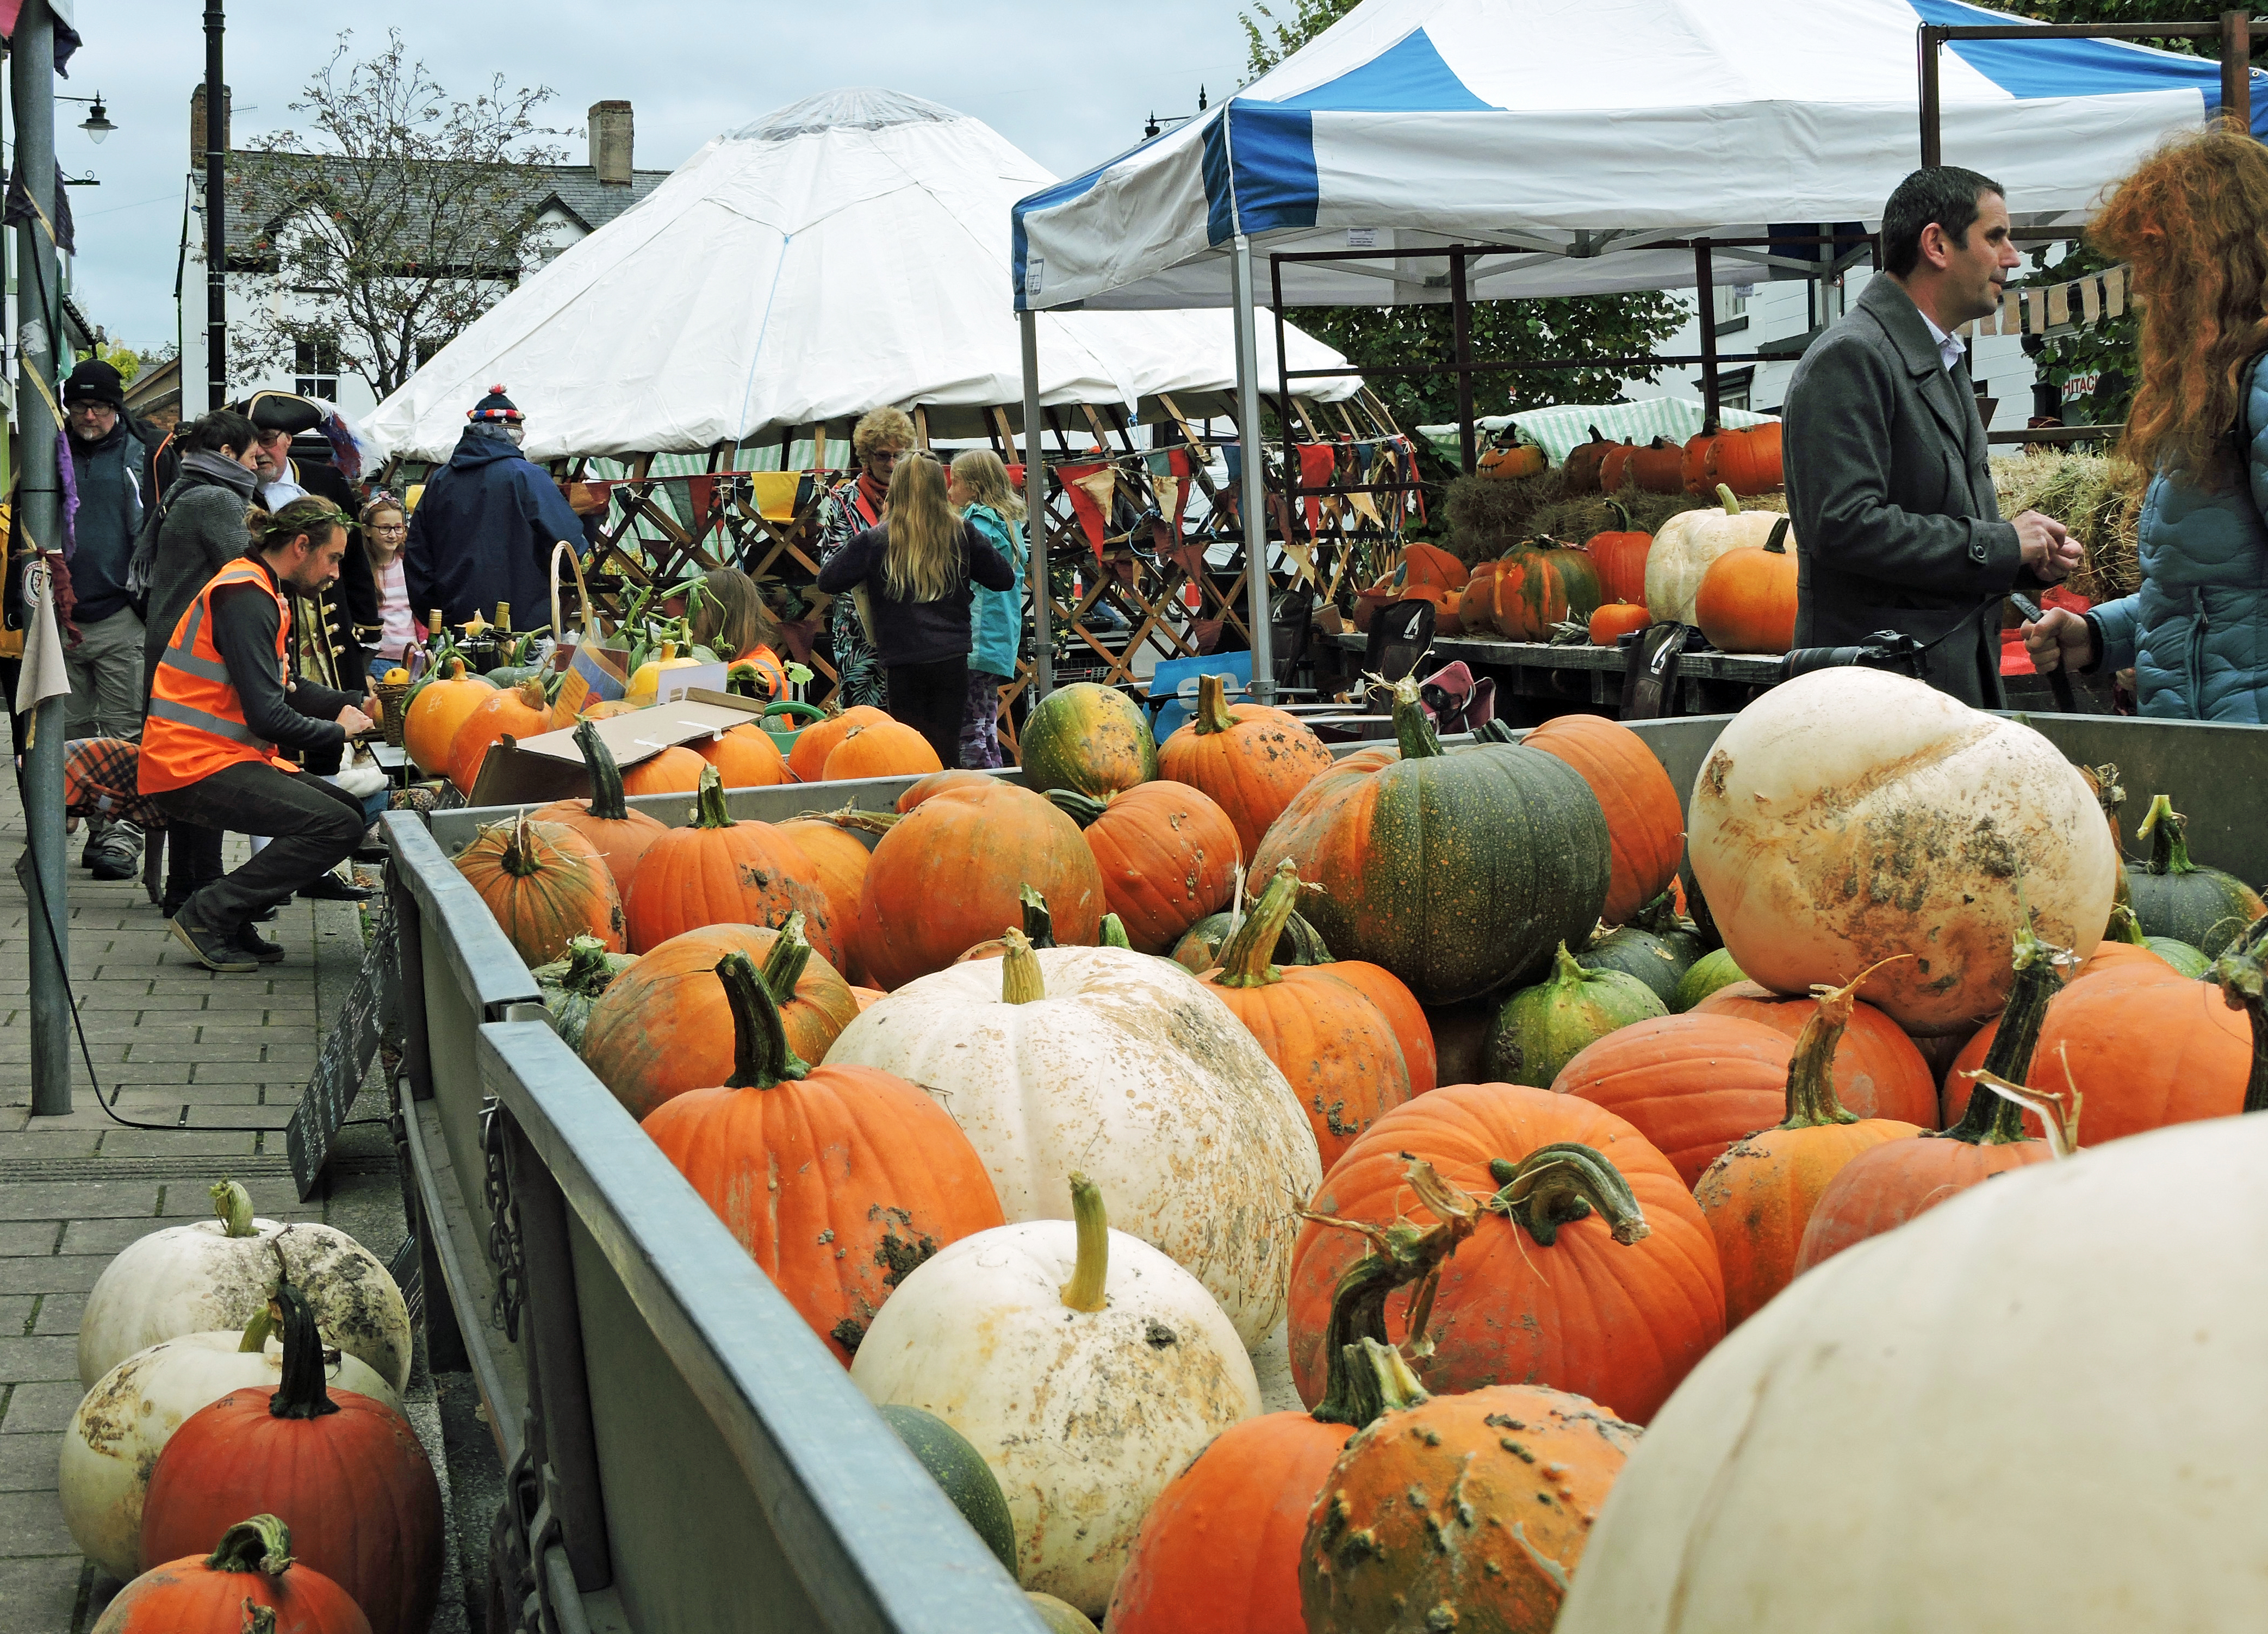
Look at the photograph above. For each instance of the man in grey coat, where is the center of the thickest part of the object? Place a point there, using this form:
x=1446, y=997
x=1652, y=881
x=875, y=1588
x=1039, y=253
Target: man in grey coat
x=1887, y=476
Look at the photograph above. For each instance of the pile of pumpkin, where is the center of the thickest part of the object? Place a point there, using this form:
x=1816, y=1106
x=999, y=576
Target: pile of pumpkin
x=241, y=1444
x=1551, y=1144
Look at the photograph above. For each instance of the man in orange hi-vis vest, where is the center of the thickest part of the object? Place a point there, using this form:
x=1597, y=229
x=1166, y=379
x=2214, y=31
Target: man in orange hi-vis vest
x=221, y=702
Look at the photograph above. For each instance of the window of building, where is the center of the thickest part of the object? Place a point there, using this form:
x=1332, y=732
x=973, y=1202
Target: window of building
x=316, y=366
x=1735, y=387
x=1732, y=304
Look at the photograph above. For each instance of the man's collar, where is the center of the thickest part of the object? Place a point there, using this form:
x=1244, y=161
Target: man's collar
x=1951, y=348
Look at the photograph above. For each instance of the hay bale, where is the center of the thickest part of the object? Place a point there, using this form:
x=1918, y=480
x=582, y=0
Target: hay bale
x=1488, y=516
x=2098, y=498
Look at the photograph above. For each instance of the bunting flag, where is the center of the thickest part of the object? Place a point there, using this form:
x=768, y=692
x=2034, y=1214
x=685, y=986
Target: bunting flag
x=1169, y=474
x=1092, y=488
x=1319, y=462
x=2057, y=308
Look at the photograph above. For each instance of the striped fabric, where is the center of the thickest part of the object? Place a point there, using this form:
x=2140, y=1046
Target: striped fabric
x=1556, y=430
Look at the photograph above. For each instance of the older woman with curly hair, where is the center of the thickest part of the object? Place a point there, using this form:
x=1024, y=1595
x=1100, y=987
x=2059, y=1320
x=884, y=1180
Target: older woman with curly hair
x=851, y=507
x=2193, y=221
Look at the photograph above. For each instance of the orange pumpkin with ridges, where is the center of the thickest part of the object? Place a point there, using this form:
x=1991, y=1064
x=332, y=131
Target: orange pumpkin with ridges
x=1691, y=1085
x=619, y=835
x=429, y=730
x=745, y=757
x=1248, y=758
x=1619, y=556
x=838, y=847
x=1878, y=1072
x=1746, y=600
x=546, y=885
x=1402, y=1013
x=1646, y=826
x=880, y=748
x=249, y=1570
x=675, y=770
x=953, y=777
x=807, y=758
x=1167, y=855
x=517, y=712
x=1610, y=624
x=715, y=871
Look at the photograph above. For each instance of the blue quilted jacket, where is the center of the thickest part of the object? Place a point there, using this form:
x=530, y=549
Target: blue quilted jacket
x=2196, y=632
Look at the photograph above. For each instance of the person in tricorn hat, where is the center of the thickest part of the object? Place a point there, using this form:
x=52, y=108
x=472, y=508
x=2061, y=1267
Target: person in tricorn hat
x=339, y=629
x=484, y=530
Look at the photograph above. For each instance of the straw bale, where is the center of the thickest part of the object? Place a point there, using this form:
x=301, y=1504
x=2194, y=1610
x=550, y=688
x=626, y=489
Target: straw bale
x=2098, y=498
x=1488, y=516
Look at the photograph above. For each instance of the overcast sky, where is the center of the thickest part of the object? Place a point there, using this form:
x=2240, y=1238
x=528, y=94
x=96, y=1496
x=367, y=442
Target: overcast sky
x=1070, y=83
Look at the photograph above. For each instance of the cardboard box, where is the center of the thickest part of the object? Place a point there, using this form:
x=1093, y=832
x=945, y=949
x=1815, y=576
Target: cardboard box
x=549, y=767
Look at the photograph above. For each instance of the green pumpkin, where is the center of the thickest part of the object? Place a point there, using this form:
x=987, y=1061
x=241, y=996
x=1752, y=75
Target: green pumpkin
x=962, y=1471
x=1639, y=953
x=2188, y=961
x=1060, y=1617
x=2174, y=897
x=1541, y=1028
x=1092, y=740
x=1710, y=972
x=1199, y=948
x=1458, y=872
x=571, y=985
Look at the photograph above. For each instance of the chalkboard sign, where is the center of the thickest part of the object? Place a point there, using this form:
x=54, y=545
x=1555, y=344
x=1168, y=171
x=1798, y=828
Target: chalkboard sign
x=345, y=1055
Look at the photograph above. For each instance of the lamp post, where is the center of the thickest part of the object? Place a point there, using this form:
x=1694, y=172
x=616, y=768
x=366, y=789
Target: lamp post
x=97, y=124
x=216, y=213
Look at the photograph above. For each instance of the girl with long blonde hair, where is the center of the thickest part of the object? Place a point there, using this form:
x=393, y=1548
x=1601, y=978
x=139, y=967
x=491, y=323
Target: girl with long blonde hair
x=979, y=487
x=916, y=569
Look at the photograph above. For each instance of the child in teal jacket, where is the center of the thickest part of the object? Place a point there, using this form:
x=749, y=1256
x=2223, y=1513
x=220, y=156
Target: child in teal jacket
x=979, y=487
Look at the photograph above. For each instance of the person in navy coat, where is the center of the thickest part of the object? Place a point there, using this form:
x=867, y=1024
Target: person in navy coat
x=484, y=530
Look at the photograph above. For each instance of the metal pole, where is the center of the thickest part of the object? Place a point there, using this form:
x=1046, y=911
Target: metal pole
x=2237, y=67
x=1932, y=146
x=1705, y=275
x=1035, y=513
x=1461, y=349
x=1254, y=498
x=215, y=214
x=31, y=94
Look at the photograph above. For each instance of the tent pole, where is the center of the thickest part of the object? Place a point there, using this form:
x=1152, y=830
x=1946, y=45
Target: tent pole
x=1932, y=143
x=1705, y=278
x=1460, y=346
x=1035, y=514
x=2237, y=67
x=1293, y=475
x=1260, y=608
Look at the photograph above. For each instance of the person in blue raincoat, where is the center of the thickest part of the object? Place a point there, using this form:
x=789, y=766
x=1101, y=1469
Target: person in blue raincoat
x=483, y=531
x=2195, y=633
x=979, y=487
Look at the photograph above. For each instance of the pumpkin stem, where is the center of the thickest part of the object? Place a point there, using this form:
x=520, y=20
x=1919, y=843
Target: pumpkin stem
x=588, y=972
x=1082, y=809
x=1412, y=730
x=783, y=960
x=1212, y=713
x=1245, y=959
x=1988, y=1120
x=1724, y=498
x=1401, y=1254
x=1558, y=1184
x=1777, y=544
x=2169, y=840
x=708, y=801
x=1021, y=981
x=301, y=1393
x=262, y=1544
x=2239, y=973
x=605, y=777
x=1622, y=515
x=762, y=1056
x=1114, y=934
x=1379, y=1382
x=2125, y=927
x=531, y=694
x=1084, y=1290
x=1811, y=1099
x=233, y=1204
x=257, y=1332
x=864, y=822
x=518, y=858
x=1039, y=924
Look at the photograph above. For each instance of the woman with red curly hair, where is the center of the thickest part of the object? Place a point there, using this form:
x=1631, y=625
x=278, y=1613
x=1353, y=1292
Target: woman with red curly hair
x=2193, y=221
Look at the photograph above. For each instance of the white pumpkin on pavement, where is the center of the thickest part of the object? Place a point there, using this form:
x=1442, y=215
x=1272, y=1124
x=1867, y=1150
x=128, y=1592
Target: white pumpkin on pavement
x=1850, y=816
x=1126, y=1067
x=125, y=1421
x=1083, y=1366
x=219, y=1273
x=2033, y=1409
x=1684, y=546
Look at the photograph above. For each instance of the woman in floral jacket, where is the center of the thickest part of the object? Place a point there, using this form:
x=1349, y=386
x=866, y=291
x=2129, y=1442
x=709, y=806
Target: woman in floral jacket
x=851, y=507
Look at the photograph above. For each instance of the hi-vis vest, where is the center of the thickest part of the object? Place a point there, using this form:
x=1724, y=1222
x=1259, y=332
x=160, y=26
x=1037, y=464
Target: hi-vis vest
x=195, y=726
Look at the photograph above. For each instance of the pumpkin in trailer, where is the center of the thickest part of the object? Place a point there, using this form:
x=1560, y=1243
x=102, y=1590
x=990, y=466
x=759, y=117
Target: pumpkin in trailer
x=1758, y=1196
x=1501, y=462
x=1687, y=543
x=1540, y=585
x=247, y=1581
x=1089, y=739
x=2174, y=897
x=1541, y=1029
x=1747, y=460
x=1336, y=1048
x=435, y=710
x=938, y=782
x=1086, y=1366
x=546, y=885
x=571, y=985
x=1166, y=853
x=882, y=748
x=673, y=769
x=715, y=871
x=517, y=711
x=1646, y=828
x=836, y=846
x=345, y=1473
x=960, y=1473
x=745, y=757
x=1878, y=1072
x=1613, y=621
x=1580, y=471
x=1589, y=1269
x=1658, y=468
x=665, y=1027
x=807, y=757
x=1102, y=1058
x=1889, y=1184
x=1711, y=973
x=1402, y=844
x=619, y=835
x=607, y=709
x=1746, y=600
x=838, y=1180
x=210, y=1275
x=1690, y=1084
x=1039, y=930
x=1651, y=948
x=1248, y=758
x=1400, y=1007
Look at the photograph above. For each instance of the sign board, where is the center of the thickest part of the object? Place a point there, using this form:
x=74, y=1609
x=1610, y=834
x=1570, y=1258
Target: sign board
x=371, y=1006
x=592, y=676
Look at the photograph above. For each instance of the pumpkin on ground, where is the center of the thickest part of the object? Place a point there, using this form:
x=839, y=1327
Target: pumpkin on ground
x=345, y=1473
x=516, y=711
x=1746, y=600
x=1541, y=1028
x=1879, y=1073
x=1747, y=460
x=1336, y=1048
x=676, y=769
x=882, y=748
x=1085, y=1366
x=838, y=1180
x=1618, y=555
x=619, y=835
x=247, y=1581
x=1613, y=621
x=571, y=985
x=1758, y=1196
x=1539, y=587
x=1089, y=739
x=1101, y=1059
x=1590, y=1270
x=546, y=885
x=216, y=1273
x=806, y=758
x=745, y=757
x=1457, y=873
x=2174, y=897
x=715, y=871
x=1645, y=829
x=436, y=708
x=1690, y=1084
x=665, y=1027
x=1166, y=853
x=1250, y=759
x=1823, y=849
x=1685, y=545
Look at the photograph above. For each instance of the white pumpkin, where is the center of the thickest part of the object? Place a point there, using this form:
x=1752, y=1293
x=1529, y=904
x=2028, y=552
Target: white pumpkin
x=1850, y=816
x=1083, y=1366
x=124, y=1423
x=1130, y=1069
x=218, y=1273
x=1685, y=545
x=2032, y=1409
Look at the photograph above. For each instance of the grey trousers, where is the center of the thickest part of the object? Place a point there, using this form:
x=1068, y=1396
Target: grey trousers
x=105, y=679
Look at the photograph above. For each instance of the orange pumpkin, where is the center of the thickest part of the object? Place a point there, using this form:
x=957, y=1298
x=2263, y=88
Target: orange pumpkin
x=1540, y=585
x=1402, y=1013
x=1618, y=554
x=250, y=1571
x=715, y=871
x=1519, y=459
x=670, y=1030
x=607, y=709
x=836, y=846
x=675, y=770
x=745, y=757
x=953, y=777
x=1167, y=854
x=1645, y=825
x=1248, y=758
x=1693, y=462
x=880, y=748
x=520, y=711
x=1746, y=600
x=1610, y=624
x=1579, y=472
x=1691, y=1085
x=429, y=729
x=546, y=885
x=1878, y=1072
x=1759, y=1196
x=619, y=835
x=1615, y=472
x=1748, y=461
x=1659, y=468
x=838, y=1180
x=1425, y=566
x=808, y=759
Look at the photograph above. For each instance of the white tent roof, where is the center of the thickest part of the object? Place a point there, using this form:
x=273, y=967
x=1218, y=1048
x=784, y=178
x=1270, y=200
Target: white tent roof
x=847, y=251
x=1574, y=134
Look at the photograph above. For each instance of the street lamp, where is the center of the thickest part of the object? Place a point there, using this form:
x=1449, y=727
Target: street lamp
x=97, y=124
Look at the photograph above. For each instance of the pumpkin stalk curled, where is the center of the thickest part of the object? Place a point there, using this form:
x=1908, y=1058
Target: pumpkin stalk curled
x=761, y=1058
x=258, y=1331
x=1989, y=1120
x=1020, y=980
x=2243, y=978
x=1401, y=1254
x=1379, y=1382
x=709, y=810
x=1091, y=1269
x=261, y=1544
x=607, y=802
x=301, y=1393
x=1245, y=959
x=1561, y=1183
x=233, y=1204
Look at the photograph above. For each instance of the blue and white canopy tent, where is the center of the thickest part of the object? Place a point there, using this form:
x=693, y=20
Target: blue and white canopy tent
x=1584, y=148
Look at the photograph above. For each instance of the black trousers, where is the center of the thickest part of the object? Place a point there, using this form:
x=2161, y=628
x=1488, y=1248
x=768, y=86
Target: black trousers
x=312, y=827
x=192, y=861
x=932, y=699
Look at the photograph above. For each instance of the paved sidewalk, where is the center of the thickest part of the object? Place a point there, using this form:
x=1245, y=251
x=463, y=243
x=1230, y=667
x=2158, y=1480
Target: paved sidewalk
x=226, y=1055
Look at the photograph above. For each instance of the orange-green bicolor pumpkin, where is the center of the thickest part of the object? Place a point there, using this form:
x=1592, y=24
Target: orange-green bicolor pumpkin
x=1090, y=739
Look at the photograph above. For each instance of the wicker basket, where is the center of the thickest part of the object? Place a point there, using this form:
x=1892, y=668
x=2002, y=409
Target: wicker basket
x=390, y=696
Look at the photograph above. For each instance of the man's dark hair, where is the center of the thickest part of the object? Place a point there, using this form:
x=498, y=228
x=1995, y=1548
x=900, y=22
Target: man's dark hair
x=1943, y=193
x=220, y=429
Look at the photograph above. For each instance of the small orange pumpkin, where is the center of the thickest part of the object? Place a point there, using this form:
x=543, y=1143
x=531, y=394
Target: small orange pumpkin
x=808, y=759
x=1618, y=554
x=1168, y=853
x=745, y=757
x=715, y=871
x=1746, y=600
x=1611, y=622
x=675, y=770
x=880, y=748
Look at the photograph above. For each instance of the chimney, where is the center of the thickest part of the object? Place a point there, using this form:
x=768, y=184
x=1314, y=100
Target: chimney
x=197, y=124
x=610, y=142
